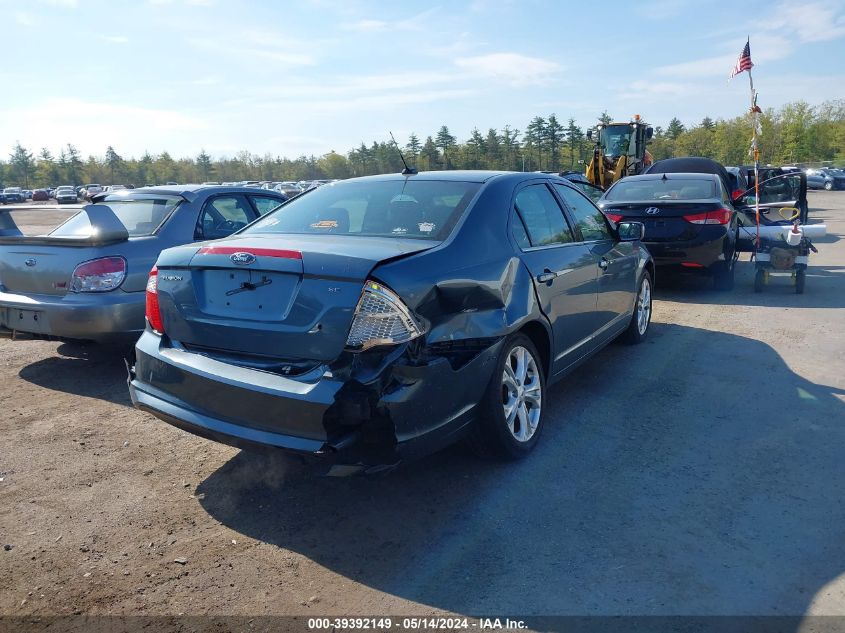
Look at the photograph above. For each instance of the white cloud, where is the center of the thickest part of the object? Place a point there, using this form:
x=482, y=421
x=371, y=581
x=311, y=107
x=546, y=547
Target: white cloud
x=251, y=46
x=660, y=9
x=809, y=21
x=773, y=37
x=25, y=19
x=65, y=4
x=514, y=68
x=91, y=125
x=366, y=26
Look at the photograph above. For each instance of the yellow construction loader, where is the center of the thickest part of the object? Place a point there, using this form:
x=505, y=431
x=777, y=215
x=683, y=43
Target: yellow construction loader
x=619, y=151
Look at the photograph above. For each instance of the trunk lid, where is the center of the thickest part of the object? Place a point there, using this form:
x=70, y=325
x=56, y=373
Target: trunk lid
x=663, y=219
x=43, y=264
x=270, y=297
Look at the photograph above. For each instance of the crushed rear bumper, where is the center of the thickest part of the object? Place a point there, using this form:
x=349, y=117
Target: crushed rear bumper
x=353, y=419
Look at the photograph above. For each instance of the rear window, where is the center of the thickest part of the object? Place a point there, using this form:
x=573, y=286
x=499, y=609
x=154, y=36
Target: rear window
x=421, y=209
x=140, y=216
x=660, y=189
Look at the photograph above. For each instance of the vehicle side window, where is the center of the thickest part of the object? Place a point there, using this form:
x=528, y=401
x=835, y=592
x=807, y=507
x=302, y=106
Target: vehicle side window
x=589, y=219
x=542, y=218
x=264, y=205
x=222, y=216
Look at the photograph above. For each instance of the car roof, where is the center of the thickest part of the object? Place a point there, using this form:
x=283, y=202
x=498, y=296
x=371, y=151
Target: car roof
x=671, y=176
x=181, y=190
x=455, y=175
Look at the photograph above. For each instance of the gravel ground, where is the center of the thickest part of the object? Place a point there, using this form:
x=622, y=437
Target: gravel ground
x=698, y=473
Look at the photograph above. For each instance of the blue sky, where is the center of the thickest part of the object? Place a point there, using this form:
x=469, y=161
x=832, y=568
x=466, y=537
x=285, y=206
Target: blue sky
x=314, y=75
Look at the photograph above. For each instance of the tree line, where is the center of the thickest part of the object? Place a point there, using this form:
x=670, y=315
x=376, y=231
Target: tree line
x=796, y=133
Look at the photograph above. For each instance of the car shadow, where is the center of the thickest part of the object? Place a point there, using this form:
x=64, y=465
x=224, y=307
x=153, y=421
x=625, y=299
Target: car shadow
x=695, y=474
x=825, y=288
x=86, y=369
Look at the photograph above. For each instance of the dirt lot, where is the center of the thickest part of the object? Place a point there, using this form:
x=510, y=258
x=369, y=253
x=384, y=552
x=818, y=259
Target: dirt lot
x=699, y=473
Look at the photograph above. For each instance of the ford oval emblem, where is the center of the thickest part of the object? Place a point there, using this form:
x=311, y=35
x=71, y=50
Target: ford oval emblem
x=243, y=259
x=652, y=211
x=31, y=262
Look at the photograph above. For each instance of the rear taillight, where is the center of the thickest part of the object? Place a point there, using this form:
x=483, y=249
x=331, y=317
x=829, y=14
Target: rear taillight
x=718, y=216
x=98, y=275
x=153, y=312
x=614, y=217
x=381, y=319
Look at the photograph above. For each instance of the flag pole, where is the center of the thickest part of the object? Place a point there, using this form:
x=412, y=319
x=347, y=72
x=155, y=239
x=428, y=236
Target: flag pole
x=753, y=114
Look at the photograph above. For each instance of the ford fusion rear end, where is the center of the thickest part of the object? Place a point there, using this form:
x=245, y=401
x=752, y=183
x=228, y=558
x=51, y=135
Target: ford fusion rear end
x=284, y=335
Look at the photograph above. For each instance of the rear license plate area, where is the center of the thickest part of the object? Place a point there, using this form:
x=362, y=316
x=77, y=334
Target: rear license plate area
x=25, y=320
x=253, y=295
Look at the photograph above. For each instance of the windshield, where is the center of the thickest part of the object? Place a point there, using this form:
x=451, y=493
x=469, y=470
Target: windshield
x=615, y=139
x=422, y=209
x=660, y=189
x=139, y=216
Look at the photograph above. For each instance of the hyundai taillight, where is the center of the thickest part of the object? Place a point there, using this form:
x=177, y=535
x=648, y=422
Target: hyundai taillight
x=153, y=312
x=98, y=275
x=381, y=319
x=718, y=216
x=614, y=217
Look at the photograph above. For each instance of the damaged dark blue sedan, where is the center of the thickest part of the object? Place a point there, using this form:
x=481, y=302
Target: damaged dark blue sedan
x=377, y=319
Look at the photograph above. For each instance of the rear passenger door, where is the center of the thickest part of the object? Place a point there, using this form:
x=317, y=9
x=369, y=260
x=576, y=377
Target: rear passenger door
x=222, y=215
x=615, y=262
x=563, y=269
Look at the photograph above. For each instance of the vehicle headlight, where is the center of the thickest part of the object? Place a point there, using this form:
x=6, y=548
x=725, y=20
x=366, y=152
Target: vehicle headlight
x=381, y=319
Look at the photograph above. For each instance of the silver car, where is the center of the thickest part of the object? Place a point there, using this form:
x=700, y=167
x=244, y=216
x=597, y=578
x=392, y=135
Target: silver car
x=86, y=278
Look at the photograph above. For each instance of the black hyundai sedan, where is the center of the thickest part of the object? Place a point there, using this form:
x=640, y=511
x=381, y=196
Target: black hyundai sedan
x=690, y=222
x=376, y=319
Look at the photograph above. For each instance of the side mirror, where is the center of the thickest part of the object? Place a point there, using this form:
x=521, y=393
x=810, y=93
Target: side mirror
x=631, y=231
x=649, y=132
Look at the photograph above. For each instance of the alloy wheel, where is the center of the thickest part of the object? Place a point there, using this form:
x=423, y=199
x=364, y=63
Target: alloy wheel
x=644, y=306
x=522, y=394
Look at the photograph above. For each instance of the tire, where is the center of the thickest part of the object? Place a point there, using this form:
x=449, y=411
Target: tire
x=759, y=280
x=800, y=280
x=828, y=186
x=723, y=275
x=638, y=327
x=491, y=436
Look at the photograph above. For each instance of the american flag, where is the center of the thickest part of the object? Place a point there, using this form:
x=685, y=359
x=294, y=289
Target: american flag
x=744, y=61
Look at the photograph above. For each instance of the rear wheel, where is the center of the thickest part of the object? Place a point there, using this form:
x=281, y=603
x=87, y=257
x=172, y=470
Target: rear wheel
x=723, y=274
x=640, y=320
x=828, y=186
x=511, y=410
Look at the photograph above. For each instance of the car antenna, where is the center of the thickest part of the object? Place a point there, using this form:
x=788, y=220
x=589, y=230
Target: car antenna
x=408, y=171
x=664, y=176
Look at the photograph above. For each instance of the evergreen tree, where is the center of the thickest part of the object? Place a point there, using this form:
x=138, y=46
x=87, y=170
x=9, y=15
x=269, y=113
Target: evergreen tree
x=445, y=141
x=413, y=147
x=675, y=129
x=22, y=165
x=204, y=165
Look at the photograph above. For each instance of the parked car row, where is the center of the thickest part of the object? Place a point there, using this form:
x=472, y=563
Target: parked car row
x=365, y=321
x=375, y=319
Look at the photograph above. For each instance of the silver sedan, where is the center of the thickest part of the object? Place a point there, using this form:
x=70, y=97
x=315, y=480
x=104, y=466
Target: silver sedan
x=86, y=279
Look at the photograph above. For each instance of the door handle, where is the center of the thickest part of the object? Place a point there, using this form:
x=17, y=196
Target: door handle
x=546, y=276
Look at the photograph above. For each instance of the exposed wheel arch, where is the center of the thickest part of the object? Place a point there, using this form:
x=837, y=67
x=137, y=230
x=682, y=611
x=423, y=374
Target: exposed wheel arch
x=539, y=335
